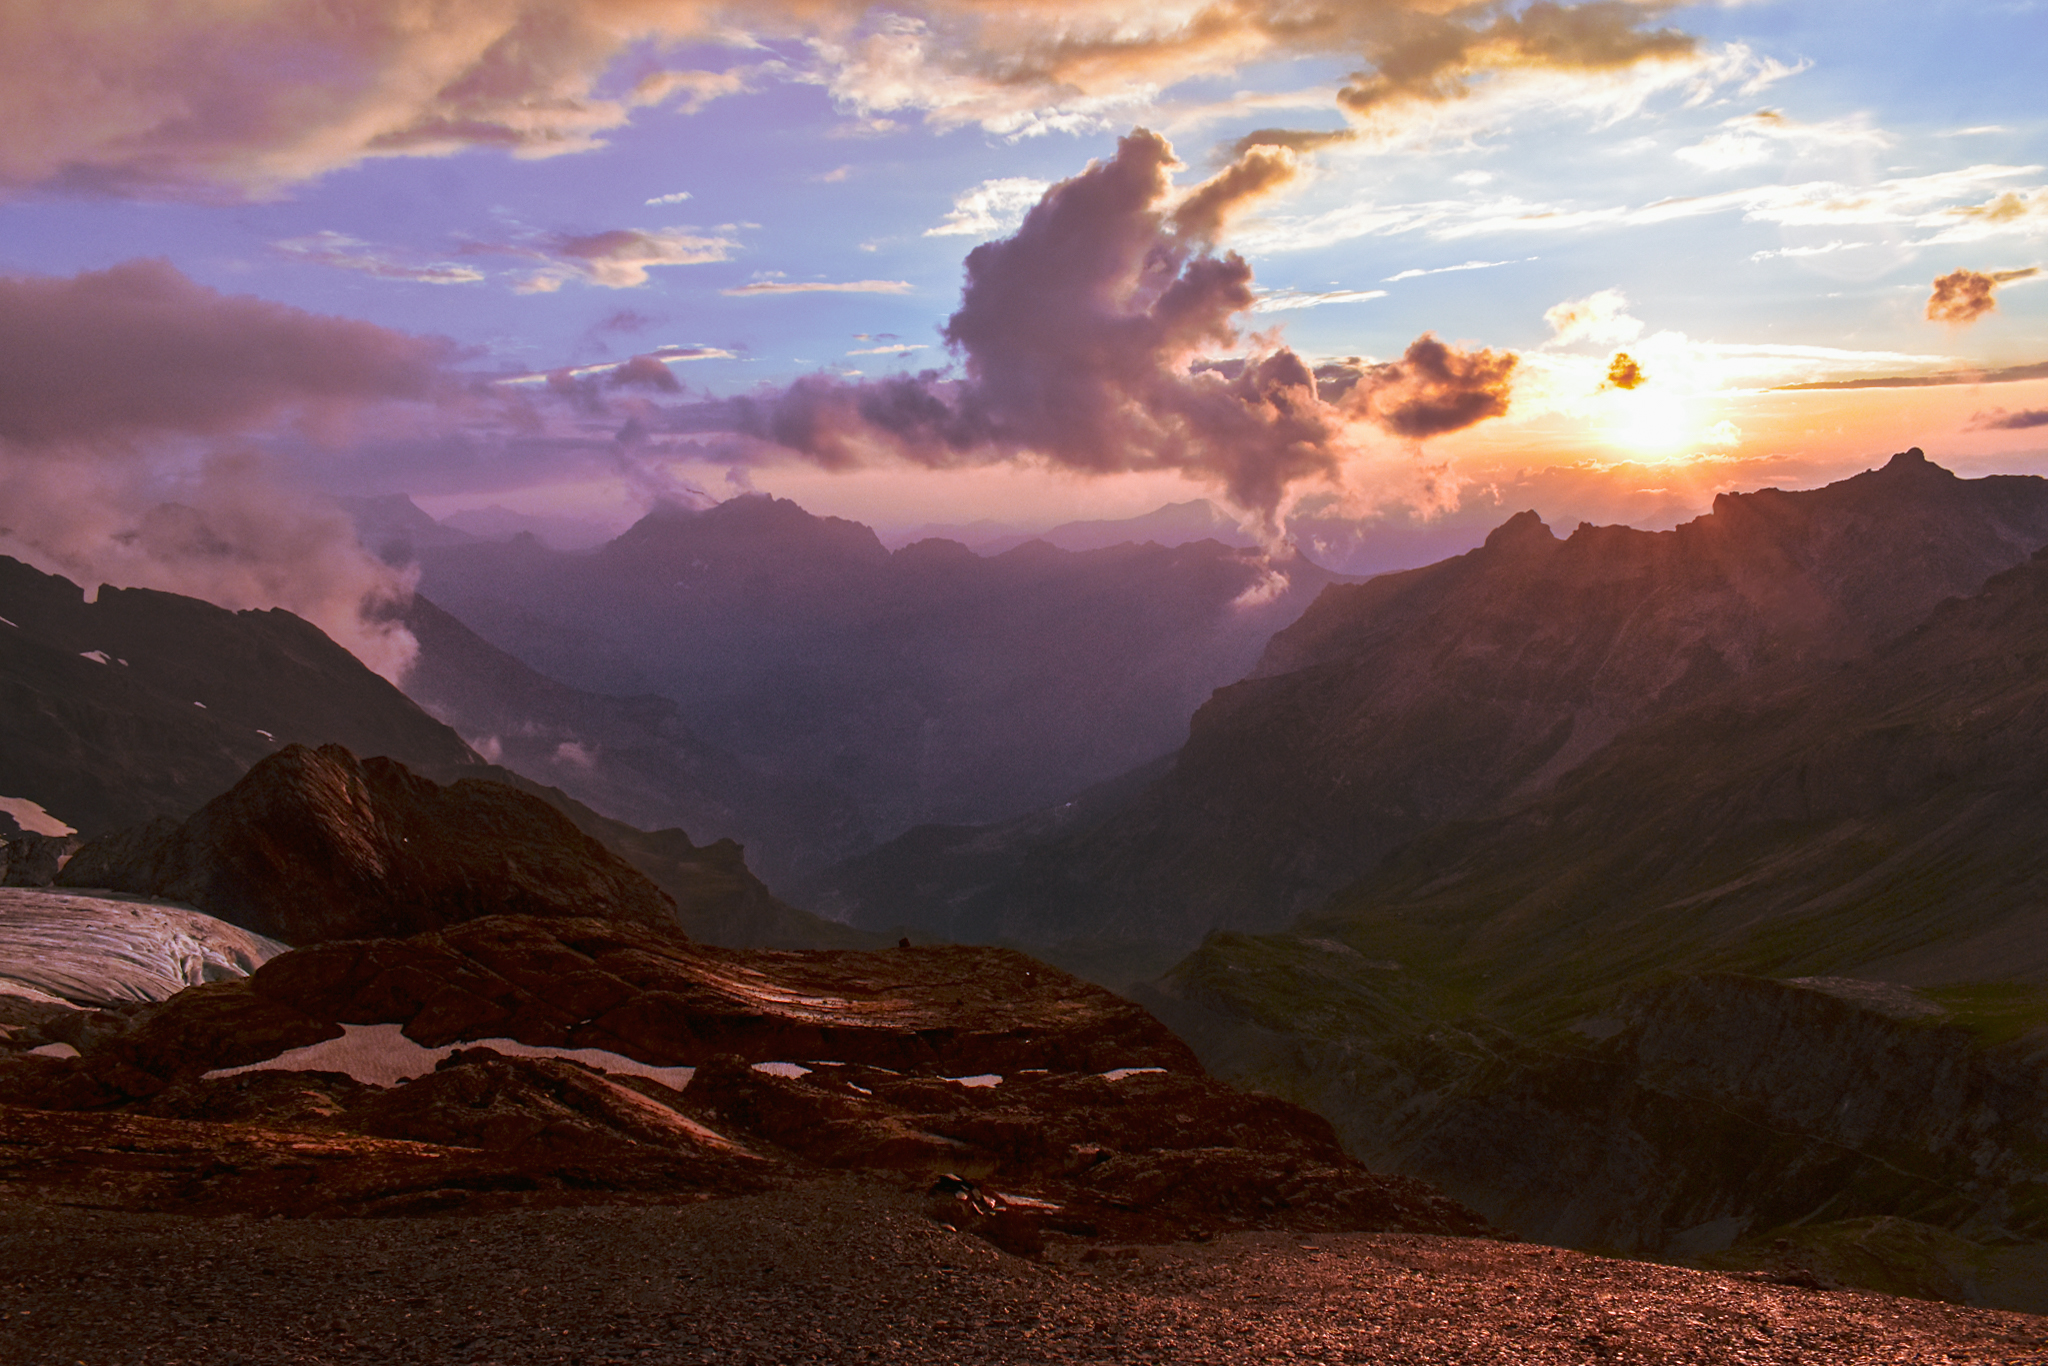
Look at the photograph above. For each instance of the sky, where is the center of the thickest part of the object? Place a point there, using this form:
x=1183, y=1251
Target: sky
x=950, y=262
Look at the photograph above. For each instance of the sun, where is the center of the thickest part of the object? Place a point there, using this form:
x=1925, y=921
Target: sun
x=1652, y=426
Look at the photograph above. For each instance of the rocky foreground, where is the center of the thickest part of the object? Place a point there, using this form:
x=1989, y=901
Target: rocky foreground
x=849, y=1270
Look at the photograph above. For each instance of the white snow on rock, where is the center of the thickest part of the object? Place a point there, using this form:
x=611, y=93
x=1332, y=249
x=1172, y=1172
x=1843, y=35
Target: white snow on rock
x=381, y=1055
x=791, y=1070
x=1119, y=1073
x=97, y=950
x=31, y=817
x=96, y=656
x=54, y=1050
x=984, y=1079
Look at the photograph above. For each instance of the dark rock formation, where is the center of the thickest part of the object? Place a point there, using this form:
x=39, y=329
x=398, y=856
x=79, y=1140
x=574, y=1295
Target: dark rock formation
x=32, y=860
x=314, y=845
x=1087, y=1113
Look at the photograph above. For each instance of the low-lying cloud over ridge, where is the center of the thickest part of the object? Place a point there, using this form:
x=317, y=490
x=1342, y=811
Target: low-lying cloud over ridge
x=123, y=393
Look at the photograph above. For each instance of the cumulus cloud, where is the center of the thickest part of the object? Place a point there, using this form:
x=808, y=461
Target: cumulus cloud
x=1082, y=339
x=1624, y=373
x=247, y=98
x=1963, y=296
x=1601, y=318
x=992, y=207
x=1999, y=420
x=124, y=395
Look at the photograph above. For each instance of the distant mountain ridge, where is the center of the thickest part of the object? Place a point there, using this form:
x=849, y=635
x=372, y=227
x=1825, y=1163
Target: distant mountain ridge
x=927, y=683
x=1438, y=694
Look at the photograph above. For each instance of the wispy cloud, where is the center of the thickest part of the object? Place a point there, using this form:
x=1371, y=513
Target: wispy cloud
x=820, y=287
x=678, y=197
x=350, y=253
x=1445, y=270
x=899, y=349
x=2009, y=374
x=1753, y=139
x=1286, y=300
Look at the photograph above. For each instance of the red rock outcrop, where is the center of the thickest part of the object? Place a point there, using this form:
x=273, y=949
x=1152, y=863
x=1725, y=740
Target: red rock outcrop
x=314, y=845
x=1084, y=1110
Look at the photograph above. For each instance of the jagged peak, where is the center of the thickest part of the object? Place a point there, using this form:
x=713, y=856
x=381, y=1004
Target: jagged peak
x=1524, y=528
x=1914, y=462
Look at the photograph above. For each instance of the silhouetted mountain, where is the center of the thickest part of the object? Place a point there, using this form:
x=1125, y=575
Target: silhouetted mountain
x=1567, y=1014
x=146, y=705
x=930, y=684
x=395, y=529
x=630, y=757
x=143, y=704
x=1442, y=693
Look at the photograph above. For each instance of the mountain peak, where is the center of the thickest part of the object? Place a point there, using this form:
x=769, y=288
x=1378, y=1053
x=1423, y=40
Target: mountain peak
x=1524, y=528
x=1914, y=462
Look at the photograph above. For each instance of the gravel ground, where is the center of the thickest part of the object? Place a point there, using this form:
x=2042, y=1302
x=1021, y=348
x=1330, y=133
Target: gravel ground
x=849, y=1271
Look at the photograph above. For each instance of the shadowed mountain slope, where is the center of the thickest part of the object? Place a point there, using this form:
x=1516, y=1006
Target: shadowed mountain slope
x=143, y=704
x=1447, y=692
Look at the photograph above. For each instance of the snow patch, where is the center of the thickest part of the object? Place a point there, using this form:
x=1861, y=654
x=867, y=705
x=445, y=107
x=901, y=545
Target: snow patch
x=54, y=1050
x=95, y=950
x=381, y=1055
x=32, y=818
x=984, y=1079
x=5, y=622
x=783, y=1069
x=1119, y=1073
x=96, y=656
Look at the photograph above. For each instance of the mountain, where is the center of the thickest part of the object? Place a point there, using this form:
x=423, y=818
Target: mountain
x=631, y=757
x=1445, y=693
x=1769, y=964
x=142, y=706
x=314, y=845
x=395, y=529
x=928, y=684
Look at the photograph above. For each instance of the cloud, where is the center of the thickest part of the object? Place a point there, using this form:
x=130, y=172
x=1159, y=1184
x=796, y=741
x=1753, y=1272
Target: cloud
x=245, y=99
x=1208, y=208
x=1624, y=373
x=1287, y=300
x=1753, y=139
x=990, y=208
x=348, y=253
x=2010, y=374
x=897, y=349
x=1601, y=318
x=820, y=287
x=1433, y=389
x=1999, y=420
x=126, y=396
x=675, y=198
x=1299, y=140
x=1446, y=270
x=1083, y=339
x=1432, y=57
x=1963, y=296
x=139, y=349
x=617, y=259
x=646, y=372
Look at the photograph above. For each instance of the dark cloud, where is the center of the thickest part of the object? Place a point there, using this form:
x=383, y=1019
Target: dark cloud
x=1296, y=140
x=140, y=349
x=626, y=320
x=1963, y=296
x=1432, y=390
x=646, y=372
x=1433, y=56
x=1624, y=373
x=1999, y=420
x=1082, y=339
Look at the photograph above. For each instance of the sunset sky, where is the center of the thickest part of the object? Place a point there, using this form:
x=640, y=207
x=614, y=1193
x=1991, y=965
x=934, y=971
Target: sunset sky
x=492, y=252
